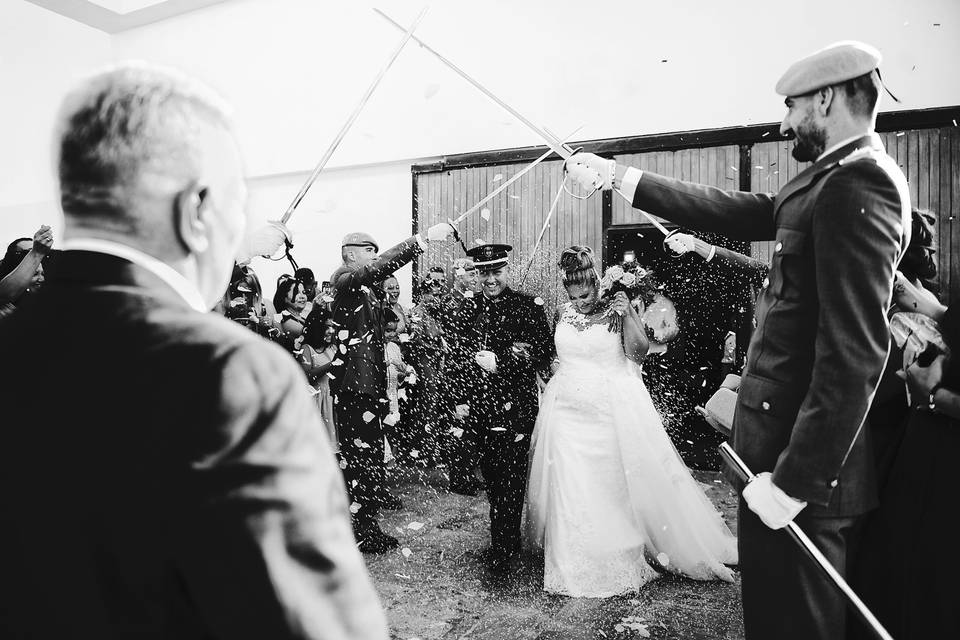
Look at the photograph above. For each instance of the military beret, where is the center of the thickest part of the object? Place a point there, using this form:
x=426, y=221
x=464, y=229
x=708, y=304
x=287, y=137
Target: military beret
x=836, y=63
x=488, y=257
x=360, y=239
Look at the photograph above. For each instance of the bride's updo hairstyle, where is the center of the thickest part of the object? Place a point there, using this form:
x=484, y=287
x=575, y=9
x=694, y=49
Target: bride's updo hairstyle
x=578, y=266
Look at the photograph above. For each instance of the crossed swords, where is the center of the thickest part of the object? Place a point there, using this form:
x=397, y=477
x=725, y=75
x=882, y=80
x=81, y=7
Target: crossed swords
x=562, y=149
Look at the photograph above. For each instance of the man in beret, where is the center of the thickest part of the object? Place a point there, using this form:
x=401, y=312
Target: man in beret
x=358, y=381
x=508, y=340
x=179, y=483
x=821, y=340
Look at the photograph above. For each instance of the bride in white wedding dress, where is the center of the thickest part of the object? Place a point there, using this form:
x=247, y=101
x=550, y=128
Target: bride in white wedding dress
x=607, y=490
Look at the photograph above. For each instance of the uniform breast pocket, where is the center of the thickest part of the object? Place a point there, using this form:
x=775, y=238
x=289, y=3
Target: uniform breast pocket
x=790, y=270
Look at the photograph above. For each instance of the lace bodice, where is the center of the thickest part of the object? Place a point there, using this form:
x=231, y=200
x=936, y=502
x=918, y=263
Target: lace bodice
x=587, y=346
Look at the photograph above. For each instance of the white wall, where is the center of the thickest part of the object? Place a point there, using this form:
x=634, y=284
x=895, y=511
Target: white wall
x=294, y=70
x=41, y=55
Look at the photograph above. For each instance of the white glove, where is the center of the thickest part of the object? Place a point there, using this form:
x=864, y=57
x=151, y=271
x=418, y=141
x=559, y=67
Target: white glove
x=599, y=171
x=487, y=361
x=680, y=243
x=775, y=508
x=441, y=232
x=264, y=241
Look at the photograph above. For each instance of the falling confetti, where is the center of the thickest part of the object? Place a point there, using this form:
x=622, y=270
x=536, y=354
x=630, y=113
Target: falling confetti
x=480, y=241
x=485, y=214
x=367, y=416
x=343, y=349
x=343, y=334
x=518, y=438
x=663, y=559
x=499, y=177
x=354, y=507
x=537, y=301
x=406, y=552
x=415, y=526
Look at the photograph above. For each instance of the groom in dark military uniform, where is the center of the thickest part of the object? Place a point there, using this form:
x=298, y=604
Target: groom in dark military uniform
x=510, y=340
x=841, y=227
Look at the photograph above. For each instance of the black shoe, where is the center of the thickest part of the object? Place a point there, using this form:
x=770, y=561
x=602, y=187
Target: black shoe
x=376, y=541
x=466, y=488
x=389, y=502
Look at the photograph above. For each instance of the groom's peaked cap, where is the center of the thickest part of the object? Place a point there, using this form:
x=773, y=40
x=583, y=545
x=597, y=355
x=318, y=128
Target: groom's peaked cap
x=488, y=257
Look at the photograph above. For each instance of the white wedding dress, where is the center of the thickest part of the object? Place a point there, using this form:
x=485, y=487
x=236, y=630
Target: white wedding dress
x=607, y=488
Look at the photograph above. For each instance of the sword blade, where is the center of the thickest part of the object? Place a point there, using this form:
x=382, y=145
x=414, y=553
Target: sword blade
x=810, y=549
x=559, y=148
x=353, y=116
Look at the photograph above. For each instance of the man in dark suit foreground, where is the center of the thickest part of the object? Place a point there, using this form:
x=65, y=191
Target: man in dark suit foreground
x=164, y=473
x=821, y=340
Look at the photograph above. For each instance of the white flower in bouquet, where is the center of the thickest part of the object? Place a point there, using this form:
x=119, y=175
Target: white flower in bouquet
x=606, y=282
x=615, y=272
x=628, y=279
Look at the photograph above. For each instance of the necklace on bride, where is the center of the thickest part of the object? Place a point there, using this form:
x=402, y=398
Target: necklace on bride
x=581, y=321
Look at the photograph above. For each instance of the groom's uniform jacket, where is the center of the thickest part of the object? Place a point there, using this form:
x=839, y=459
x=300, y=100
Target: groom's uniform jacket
x=508, y=398
x=164, y=474
x=821, y=340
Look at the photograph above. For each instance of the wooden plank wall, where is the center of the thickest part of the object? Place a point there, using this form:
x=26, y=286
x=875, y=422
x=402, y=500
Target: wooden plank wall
x=516, y=217
x=715, y=166
x=929, y=158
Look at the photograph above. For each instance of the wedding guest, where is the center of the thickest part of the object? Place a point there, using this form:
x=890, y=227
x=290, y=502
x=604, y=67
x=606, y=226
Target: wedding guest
x=319, y=354
x=305, y=276
x=905, y=571
x=186, y=488
x=841, y=227
x=458, y=377
x=391, y=291
x=21, y=271
x=425, y=351
x=397, y=369
x=888, y=413
x=290, y=300
x=359, y=385
x=243, y=303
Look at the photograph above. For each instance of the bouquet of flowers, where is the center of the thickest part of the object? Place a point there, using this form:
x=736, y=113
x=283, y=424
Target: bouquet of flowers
x=630, y=278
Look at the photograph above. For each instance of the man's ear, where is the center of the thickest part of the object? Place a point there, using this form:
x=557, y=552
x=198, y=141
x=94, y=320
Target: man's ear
x=824, y=100
x=190, y=218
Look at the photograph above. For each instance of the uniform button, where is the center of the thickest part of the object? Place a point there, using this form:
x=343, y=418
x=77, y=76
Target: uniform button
x=779, y=247
x=765, y=405
x=833, y=483
x=766, y=282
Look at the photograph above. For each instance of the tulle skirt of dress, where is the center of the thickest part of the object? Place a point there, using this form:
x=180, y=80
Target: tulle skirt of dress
x=607, y=489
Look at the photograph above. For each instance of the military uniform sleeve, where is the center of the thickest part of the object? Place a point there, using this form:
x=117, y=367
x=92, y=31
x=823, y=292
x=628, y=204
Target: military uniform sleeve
x=535, y=331
x=267, y=550
x=857, y=226
x=385, y=264
x=754, y=270
x=735, y=214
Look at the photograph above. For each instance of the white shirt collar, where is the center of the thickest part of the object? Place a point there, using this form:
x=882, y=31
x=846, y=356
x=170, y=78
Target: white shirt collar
x=173, y=278
x=875, y=139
